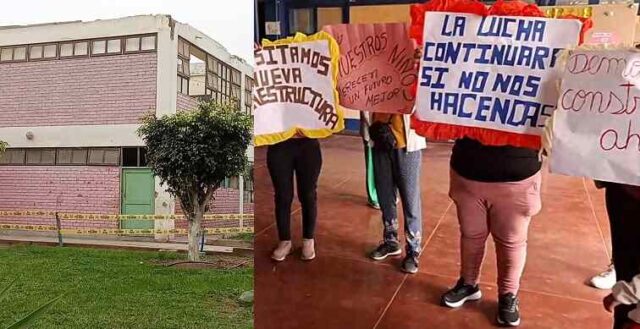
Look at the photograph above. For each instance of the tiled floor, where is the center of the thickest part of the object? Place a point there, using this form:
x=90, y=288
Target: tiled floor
x=343, y=289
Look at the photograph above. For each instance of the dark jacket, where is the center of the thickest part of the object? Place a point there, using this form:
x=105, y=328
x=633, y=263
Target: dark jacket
x=632, y=190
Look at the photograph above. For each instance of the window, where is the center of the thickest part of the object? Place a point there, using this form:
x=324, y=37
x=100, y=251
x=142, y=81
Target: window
x=66, y=50
x=184, y=48
x=183, y=63
x=43, y=51
x=41, y=156
x=106, y=47
x=113, y=46
x=183, y=67
x=134, y=157
x=50, y=51
x=132, y=44
x=236, y=78
x=86, y=48
x=139, y=44
x=148, y=43
x=223, y=82
x=13, y=54
x=104, y=156
x=13, y=157
x=71, y=156
x=183, y=85
x=248, y=94
x=98, y=47
x=72, y=49
x=302, y=20
x=248, y=185
x=81, y=48
x=231, y=183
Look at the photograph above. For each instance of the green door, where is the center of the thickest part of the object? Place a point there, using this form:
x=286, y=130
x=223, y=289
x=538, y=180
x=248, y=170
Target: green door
x=137, y=196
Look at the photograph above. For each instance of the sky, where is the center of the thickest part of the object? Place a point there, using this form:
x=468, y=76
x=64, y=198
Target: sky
x=230, y=22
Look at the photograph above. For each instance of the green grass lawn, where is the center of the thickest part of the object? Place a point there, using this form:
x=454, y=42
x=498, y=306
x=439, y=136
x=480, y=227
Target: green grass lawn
x=119, y=289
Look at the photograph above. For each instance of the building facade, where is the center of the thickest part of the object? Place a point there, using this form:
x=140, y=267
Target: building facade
x=71, y=98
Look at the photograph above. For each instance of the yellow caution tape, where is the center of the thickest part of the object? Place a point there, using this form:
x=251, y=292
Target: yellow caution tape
x=27, y=227
x=153, y=231
x=104, y=217
x=31, y=213
x=112, y=217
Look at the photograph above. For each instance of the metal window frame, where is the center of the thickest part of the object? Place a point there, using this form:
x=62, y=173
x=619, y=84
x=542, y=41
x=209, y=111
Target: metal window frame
x=89, y=42
x=40, y=150
x=13, y=54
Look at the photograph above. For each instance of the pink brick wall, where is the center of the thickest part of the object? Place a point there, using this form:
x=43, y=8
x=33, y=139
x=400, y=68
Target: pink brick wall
x=97, y=90
x=226, y=202
x=186, y=102
x=81, y=189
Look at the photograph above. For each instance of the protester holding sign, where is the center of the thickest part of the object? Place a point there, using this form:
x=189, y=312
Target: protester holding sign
x=376, y=73
x=397, y=158
x=623, y=208
x=488, y=80
x=296, y=103
x=491, y=78
x=573, y=129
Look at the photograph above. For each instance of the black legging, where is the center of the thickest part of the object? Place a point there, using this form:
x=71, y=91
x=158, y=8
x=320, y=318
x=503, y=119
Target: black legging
x=302, y=156
x=624, y=217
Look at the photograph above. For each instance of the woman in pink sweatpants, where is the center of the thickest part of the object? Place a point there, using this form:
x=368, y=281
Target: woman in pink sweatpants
x=496, y=191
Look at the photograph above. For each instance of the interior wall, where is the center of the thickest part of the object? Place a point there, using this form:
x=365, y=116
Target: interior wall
x=379, y=14
x=612, y=23
x=328, y=16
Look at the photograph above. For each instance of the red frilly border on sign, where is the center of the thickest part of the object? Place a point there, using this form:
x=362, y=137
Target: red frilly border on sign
x=440, y=131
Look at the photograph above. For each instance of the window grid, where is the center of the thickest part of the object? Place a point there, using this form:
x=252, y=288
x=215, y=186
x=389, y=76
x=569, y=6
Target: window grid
x=184, y=55
x=223, y=82
x=65, y=156
x=12, y=54
x=79, y=49
x=248, y=95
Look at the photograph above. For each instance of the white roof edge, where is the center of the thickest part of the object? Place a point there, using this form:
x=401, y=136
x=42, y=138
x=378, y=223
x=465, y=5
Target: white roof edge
x=211, y=46
x=75, y=30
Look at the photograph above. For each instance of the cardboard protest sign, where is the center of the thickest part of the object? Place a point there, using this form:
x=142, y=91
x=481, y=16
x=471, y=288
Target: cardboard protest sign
x=495, y=73
x=295, y=89
x=377, y=69
x=596, y=128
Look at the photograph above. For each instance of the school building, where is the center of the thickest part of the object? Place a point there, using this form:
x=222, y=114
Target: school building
x=615, y=22
x=72, y=95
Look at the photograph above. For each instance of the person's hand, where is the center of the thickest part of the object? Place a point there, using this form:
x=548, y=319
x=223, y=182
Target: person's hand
x=610, y=303
x=417, y=54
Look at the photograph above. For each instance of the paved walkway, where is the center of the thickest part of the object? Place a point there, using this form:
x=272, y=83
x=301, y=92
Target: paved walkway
x=112, y=243
x=343, y=289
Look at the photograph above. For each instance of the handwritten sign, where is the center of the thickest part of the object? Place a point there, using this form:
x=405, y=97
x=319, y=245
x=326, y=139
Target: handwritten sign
x=377, y=66
x=493, y=73
x=597, y=124
x=295, y=89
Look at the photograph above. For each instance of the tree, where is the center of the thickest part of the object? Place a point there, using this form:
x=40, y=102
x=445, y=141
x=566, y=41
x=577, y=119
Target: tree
x=192, y=152
x=3, y=146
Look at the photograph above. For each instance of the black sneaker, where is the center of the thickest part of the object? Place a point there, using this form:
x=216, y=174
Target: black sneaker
x=384, y=250
x=508, y=310
x=460, y=294
x=410, y=264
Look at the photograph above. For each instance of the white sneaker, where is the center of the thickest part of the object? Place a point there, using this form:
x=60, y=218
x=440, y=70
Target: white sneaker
x=605, y=280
